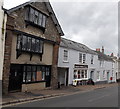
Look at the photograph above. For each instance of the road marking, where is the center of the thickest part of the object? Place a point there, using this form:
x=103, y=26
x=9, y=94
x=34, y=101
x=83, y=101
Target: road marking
x=98, y=98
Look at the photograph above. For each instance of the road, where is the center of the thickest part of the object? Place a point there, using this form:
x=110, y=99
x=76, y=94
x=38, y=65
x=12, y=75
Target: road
x=104, y=97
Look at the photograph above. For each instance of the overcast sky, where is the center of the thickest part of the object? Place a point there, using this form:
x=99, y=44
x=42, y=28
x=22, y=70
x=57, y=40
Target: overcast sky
x=94, y=24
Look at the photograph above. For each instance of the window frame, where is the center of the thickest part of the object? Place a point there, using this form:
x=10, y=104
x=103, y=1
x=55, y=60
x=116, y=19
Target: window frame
x=84, y=58
x=92, y=59
x=33, y=71
x=41, y=18
x=19, y=45
x=65, y=55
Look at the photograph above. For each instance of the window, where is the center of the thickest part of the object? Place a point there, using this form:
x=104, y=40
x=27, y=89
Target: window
x=78, y=74
x=65, y=55
x=100, y=63
x=36, y=17
x=103, y=74
x=92, y=59
x=98, y=75
x=75, y=74
x=35, y=73
x=24, y=42
x=84, y=58
x=80, y=57
x=29, y=44
x=82, y=74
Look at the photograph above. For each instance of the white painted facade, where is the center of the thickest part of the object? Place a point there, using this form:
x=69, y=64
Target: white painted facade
x=73, y=58
x=3, y=18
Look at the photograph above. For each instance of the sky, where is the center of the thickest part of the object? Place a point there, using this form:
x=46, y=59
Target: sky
x=90, y=22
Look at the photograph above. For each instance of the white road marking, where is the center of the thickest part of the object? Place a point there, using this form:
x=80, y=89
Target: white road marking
x=98, y=98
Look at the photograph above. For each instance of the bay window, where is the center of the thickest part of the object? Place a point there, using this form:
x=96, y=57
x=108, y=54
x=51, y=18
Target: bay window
x=36, y=17
x=29, y=44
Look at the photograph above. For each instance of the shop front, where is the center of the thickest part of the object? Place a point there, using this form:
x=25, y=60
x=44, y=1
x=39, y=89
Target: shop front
x=29, y=77
x=80, y=74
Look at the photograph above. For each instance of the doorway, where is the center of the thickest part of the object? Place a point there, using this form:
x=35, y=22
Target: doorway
x=15, y=79
x=108, y=77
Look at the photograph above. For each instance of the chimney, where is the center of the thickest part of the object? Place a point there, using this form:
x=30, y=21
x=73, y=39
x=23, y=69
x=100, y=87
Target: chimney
x=98, y=49
x=103, y=49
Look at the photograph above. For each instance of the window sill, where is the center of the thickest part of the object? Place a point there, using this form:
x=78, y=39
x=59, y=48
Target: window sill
x=32, y=82
x=65, y=61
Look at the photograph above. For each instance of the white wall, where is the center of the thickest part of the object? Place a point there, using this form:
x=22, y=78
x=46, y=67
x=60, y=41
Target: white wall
x=74, y=59
x=2, y=37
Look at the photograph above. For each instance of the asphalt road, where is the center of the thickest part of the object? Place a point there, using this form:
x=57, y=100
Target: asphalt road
x=105, y=97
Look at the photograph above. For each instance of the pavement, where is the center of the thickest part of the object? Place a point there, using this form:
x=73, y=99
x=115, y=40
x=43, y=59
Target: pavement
x=19, y=97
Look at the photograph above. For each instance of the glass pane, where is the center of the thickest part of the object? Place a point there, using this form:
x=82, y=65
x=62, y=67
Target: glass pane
x=24, y=76
x=29, y=44
x=31, y=14
x=28, y=79
x=19, y=44
x=40, y=19
x=37, y=45
x=36, y=17
x=24, y=42
x=43, y=21
x=34, y=76
x=41, y=46
x=33, y=44
x=33, y=68
x=28, y=68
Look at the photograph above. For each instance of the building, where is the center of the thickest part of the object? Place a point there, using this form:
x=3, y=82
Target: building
x=78, y=62
x=3, y=17
x=31, y=49
x=106, y=72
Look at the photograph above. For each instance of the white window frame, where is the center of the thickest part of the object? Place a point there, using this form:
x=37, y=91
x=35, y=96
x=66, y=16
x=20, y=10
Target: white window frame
x=92, y=59
x=84, y=58
x=98, y=76
x=103, y=74
x=65, y=55
x=80, y=57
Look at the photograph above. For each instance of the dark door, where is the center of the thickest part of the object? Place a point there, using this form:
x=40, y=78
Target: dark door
x=15, y=79
x=67, y=77
x=48, y=76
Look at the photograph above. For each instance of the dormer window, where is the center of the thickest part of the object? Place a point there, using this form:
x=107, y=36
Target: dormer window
x=36, y=17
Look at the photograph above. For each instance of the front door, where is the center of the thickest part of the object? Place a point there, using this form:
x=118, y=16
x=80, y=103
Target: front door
x=48, y=76
x=108, y=77
x=15, y=79
x=92, y=74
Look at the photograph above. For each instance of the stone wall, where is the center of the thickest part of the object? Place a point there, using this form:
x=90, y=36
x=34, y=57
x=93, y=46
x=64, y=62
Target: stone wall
x=7, y=54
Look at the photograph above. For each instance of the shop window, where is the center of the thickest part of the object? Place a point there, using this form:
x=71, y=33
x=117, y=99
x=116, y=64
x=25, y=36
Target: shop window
x=82, y=73
x=75, y=74
x=85, y=73
x=35, y=73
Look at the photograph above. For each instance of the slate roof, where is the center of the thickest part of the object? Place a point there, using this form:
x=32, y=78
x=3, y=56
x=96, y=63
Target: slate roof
x=102, y=56
x=76, y=46
x=50, y=9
